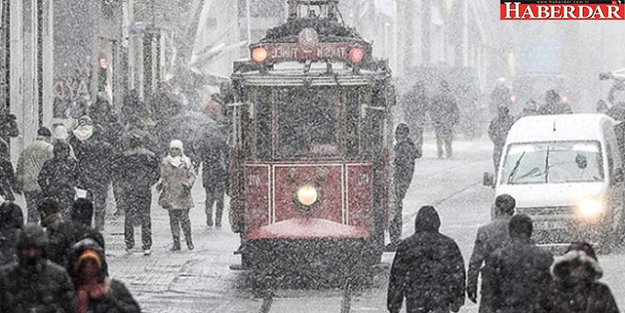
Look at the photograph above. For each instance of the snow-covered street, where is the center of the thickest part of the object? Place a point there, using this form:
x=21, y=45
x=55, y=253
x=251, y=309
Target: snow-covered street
x=201, y=281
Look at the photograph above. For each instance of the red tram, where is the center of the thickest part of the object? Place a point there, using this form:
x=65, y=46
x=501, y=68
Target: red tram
x=311, y=145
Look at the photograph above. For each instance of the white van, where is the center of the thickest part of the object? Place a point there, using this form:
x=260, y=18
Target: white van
x=564, y=171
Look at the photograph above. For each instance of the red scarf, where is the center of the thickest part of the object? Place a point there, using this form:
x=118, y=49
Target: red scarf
x=91, y=291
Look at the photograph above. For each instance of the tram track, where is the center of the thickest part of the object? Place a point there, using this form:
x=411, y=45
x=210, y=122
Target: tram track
x=346, y=294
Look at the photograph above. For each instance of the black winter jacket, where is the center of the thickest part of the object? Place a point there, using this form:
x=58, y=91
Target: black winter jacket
x=428, y=269
x=515, y=276
x=42, y=288
x=405, y=155
x=59, y=176
x=11, y=221
x=8, y=180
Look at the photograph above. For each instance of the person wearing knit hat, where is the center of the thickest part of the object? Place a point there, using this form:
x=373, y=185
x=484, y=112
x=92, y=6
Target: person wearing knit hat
x=177, y=179
x=29, y=166
x=95, y=290
x=575, y=287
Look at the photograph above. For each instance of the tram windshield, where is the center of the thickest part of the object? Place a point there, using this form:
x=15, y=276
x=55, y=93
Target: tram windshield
x=307, y=123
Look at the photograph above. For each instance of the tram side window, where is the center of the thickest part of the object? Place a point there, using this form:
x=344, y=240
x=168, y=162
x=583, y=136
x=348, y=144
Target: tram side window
x=263, y=124
x=306, y=123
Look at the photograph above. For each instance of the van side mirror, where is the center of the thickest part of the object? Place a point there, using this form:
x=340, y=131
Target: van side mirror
x=619, y=175
x=488, y=179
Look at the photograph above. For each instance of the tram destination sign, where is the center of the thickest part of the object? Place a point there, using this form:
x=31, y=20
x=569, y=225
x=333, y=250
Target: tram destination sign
x=281, y=52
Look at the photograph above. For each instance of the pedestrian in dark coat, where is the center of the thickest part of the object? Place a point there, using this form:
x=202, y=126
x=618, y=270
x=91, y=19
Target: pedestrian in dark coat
x=96, y=292
x=516, y=275
x=554, y=104
x=498, y=132
x=82, y=215
x=8, y=180
x=11, y=223
x=60, y=233
x=214, y=158
x=35, y=284
x=415, y=104
x=94, y=156
x=575, y=287
x=29, y=166
x=405, y=155
x=428, y=270
x=177, y=179
x=490, y=237
x=104, y=116
x=445, y=116
x=138, y=170
x=59, y=177
x=8, y=127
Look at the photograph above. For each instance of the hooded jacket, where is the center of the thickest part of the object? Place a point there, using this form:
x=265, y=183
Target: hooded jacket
x=428, y=269
x=39, y=287
x=116, y=297
x=566, y=295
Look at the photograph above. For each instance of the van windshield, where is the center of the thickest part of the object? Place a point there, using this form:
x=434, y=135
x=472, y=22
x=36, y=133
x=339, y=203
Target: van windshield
x=553, y=162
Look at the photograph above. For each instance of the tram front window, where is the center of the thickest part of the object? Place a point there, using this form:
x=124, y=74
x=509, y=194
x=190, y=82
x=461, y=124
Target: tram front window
x=307, y=124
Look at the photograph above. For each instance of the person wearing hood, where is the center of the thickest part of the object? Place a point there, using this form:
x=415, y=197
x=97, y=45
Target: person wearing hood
x=490, y=237
x=59, y=177
x=11, y=222
x=428, y=270
x=94, y=156
x=35, y=284
x=517, y=274
x=177, y=179
x=498, y=132
x=575, y=287
x=137, y=170
x=29, y=166
x=8, y=180
x=96, y=292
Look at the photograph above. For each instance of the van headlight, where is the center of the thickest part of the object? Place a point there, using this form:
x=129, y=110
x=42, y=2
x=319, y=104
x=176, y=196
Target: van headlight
x=590, y=208
x=307, y=195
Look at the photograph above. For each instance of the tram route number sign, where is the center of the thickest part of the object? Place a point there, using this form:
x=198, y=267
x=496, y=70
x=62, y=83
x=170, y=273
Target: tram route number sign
x=299, y=52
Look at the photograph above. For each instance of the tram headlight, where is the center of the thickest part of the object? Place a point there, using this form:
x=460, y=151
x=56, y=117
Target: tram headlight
x=259, y=54
x=589, y=209
x=307, y=195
